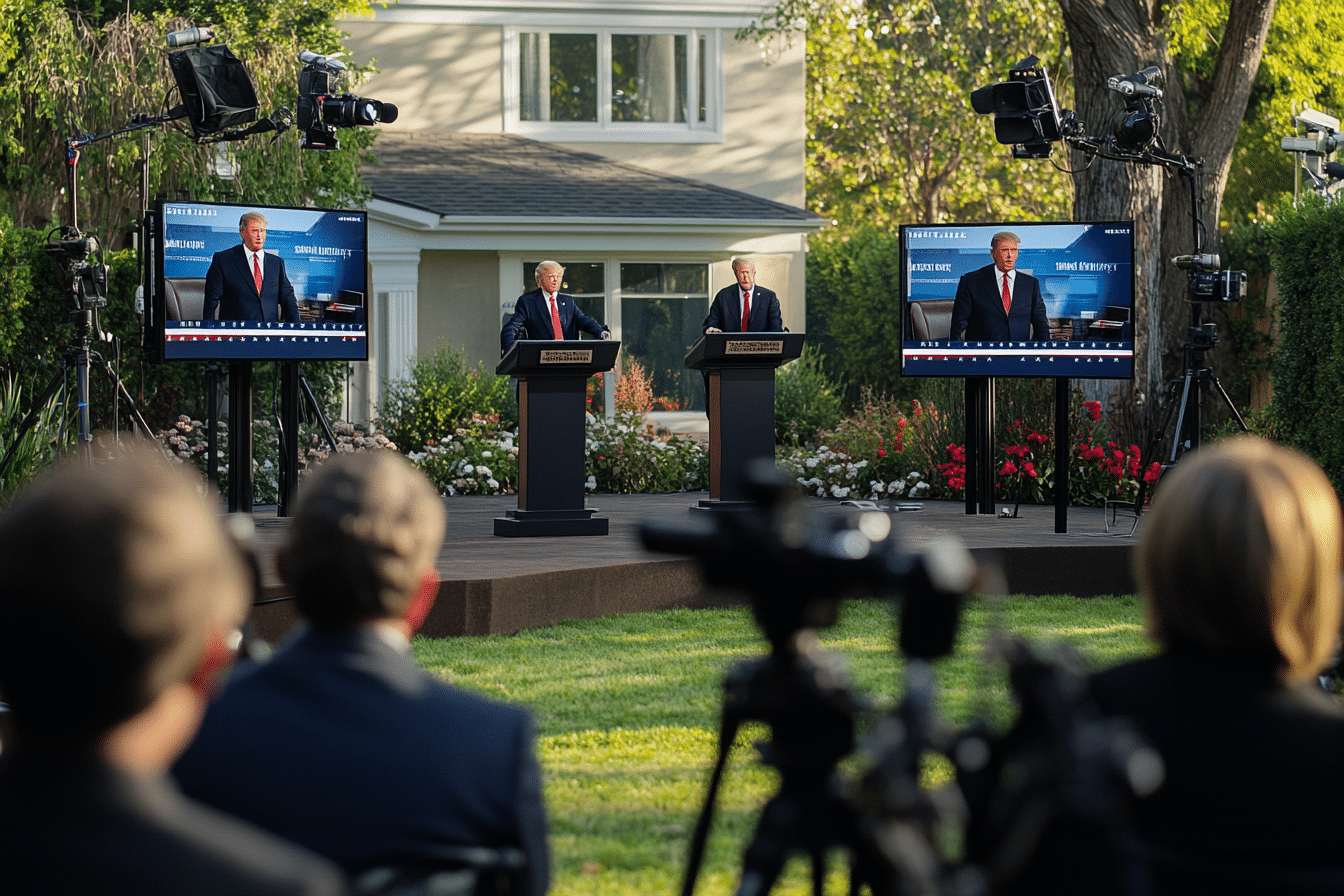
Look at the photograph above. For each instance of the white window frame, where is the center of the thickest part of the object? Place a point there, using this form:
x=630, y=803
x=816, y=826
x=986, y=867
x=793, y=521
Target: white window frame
x=604, y=130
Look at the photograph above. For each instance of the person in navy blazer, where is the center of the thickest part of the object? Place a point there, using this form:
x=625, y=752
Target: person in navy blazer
x=978, y=308
x=532, y=312
x=725, y=312
x=230, y=285
x=340, y=742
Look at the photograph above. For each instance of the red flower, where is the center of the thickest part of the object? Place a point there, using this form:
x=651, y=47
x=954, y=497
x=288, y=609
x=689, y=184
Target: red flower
x=881, y=452
x=1008, y=468
x=1093, y=409
x=1030, y=469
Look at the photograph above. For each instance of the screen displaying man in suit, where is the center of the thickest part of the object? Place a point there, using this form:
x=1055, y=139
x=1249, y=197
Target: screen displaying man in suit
x=547, y=313
x=340, y=742
x=761, y=305
x=247, y=283
x=998, y=303
x=128, y=566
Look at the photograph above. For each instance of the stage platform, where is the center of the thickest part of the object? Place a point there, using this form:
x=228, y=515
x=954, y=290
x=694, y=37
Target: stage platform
x=492, y=584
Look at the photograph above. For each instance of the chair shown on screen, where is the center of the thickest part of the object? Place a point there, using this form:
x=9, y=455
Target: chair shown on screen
x=184, y=298
x=931, y=319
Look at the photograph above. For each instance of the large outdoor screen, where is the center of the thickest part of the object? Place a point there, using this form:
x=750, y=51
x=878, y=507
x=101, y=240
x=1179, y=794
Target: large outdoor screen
x=312, y=267
x=1085, y=277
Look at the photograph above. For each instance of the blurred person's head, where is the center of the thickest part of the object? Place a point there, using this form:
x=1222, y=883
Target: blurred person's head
x=1240, y=559
x=120, y=593
x=362, y=545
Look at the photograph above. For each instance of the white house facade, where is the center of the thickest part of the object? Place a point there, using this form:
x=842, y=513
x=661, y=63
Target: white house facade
x=640, y=144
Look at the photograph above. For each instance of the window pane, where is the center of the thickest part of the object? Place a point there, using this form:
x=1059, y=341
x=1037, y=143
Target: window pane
x=682, y=280
x=700, y=77
x=648, y=77
x=558, y=75
x=662, y=312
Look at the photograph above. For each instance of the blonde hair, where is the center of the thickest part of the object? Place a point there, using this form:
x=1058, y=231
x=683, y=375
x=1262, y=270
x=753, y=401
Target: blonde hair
x=1241, y=558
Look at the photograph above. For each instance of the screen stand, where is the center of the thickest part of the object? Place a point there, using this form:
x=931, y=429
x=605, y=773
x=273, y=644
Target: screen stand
x=979, y=445
x=1063, y=443
x=293, y=384
x=240, y=437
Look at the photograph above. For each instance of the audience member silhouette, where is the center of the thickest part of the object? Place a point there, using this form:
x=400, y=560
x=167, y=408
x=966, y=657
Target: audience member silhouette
x=1239, y=565
x=119, y=591
x=339, y=741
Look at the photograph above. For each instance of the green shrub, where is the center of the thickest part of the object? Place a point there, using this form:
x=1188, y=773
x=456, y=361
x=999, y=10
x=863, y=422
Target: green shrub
x=626, y=456
x=440, y=393
x=806, y=400
x=38, y=446
x=1309, y=361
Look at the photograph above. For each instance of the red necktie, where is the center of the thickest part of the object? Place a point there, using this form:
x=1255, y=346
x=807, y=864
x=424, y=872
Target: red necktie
x=746, y=310
x=555, y=318
x=256, y=274
x=1007, y=296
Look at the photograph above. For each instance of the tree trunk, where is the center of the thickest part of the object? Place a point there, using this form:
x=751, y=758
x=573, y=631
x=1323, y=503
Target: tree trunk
x=1119, y=37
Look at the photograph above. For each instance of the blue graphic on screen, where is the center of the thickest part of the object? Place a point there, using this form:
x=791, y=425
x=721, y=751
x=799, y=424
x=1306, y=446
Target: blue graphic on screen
x=1086, y=274
x=325, y=257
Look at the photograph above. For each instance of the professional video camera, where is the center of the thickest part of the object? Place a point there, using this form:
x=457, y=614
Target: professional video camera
x=1315, y=151
x=84, y=283
x=1060, y=769
x=322, y=110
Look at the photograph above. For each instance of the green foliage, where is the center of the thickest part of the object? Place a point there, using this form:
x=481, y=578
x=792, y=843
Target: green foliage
x=38, y=446
x=63, y=76
x=1309, y=360
x=440, y=393
x=1303, y=63
x=890, y=135
x=476, y=458
x=806, y=399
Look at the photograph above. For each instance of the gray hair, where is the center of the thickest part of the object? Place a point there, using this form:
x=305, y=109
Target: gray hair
x=547, y=266
x=1004, y=236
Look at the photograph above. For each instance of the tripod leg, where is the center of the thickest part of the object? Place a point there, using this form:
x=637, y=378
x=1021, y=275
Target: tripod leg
x=1178, y=440
x=1218, y=385
x=317, y=410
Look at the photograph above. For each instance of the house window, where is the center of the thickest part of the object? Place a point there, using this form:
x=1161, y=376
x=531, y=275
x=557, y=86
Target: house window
x=663, y=310
x=614, y=85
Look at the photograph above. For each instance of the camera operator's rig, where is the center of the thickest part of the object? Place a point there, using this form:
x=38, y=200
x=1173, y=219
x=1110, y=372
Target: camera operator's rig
x=1027, y=117
x=1316, y=154
x=218, y=99
x=1060, y=768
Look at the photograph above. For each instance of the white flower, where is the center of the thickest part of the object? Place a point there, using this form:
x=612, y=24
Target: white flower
x=591, y=483
x=839, y=492
x=492, y=483
x=486, y=454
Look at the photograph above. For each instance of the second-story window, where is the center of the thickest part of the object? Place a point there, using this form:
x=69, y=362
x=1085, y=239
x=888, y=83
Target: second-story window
x=614, y=84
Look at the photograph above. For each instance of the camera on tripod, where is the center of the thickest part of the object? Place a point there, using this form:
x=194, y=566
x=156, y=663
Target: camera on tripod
x=322, y=110
x=1322, y=141
x=1202, y=338
x=1211, y=285
x=83, y=282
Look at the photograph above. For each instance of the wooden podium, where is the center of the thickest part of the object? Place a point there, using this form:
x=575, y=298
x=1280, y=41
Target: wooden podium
x=552, y=389
x=740, y=393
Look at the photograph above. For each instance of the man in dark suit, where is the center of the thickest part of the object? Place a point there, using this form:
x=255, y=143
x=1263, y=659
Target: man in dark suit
x=537, y=314
x=725, y=312
x=998, y=303
x=246, y=283
x=339, y=741
x=119, y=589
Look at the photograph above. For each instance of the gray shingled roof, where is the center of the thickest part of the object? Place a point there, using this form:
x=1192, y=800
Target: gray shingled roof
x=468, y=175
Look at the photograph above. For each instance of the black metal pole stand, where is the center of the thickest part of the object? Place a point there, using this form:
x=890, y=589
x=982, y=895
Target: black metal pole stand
x=979, y=445
x=293, y=385
x=240, y=437
x=1063, y=444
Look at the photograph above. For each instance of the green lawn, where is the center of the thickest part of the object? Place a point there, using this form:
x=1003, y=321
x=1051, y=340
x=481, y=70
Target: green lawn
x=628, y=710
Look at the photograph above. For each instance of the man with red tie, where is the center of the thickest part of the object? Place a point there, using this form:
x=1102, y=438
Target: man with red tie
x=746, y=307
x=246, y=283
x=998, y=303
x=547, y=313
